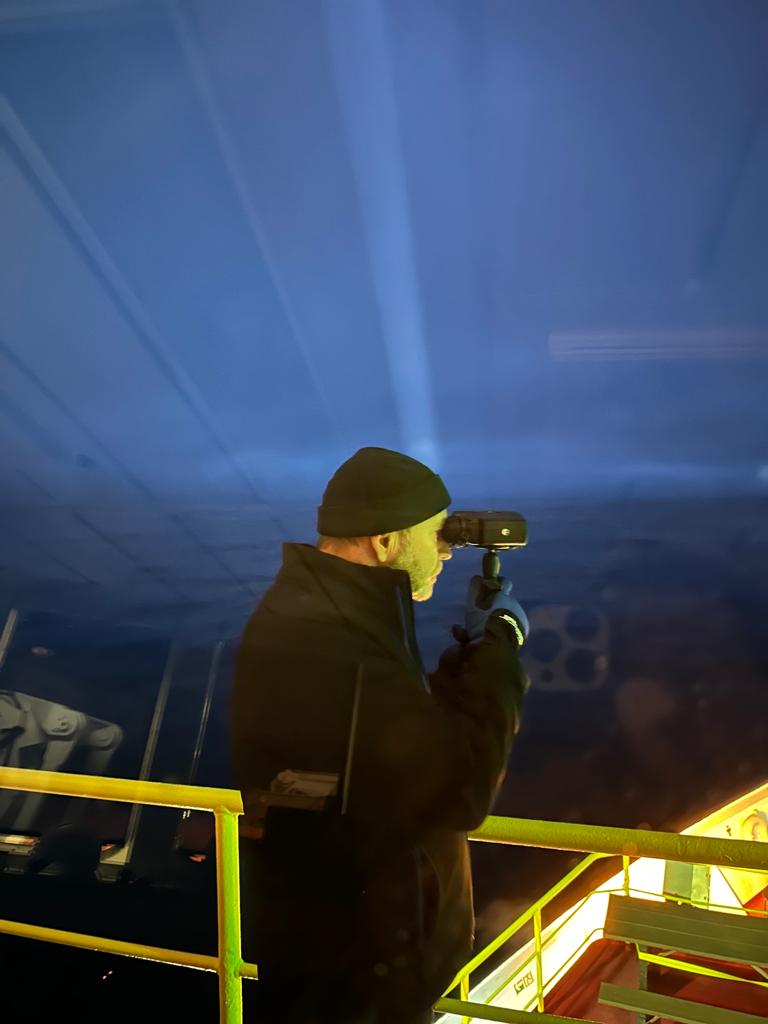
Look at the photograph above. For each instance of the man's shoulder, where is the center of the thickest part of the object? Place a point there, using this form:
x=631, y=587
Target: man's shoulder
x=299, y=630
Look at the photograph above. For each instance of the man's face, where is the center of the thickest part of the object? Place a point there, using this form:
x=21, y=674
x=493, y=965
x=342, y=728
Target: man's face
x=421, y=554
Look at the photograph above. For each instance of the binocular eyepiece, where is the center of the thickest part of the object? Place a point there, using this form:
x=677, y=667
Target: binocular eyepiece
x=499, y=531
x=495, y=531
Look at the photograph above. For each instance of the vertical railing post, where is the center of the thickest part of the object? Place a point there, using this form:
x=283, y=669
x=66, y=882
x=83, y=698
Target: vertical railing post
x=150, y=747
x=228, y=914
x=464, y=995
x=11, y=622
x=539, y=962
x=625, y=863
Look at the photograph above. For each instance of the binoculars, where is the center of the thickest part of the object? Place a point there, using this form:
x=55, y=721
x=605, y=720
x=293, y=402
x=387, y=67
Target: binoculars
x=495, y=531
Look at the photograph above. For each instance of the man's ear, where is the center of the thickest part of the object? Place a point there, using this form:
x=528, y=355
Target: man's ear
x=384, y=544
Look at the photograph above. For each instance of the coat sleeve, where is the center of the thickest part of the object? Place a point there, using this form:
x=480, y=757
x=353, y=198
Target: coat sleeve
x=424, y=760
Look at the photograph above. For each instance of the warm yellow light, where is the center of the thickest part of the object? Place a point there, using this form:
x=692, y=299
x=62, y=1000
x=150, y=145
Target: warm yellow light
x=514, y=982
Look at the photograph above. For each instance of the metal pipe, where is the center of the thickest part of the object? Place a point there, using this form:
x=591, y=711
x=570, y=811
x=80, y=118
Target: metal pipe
x=464, y=996
x=557, y=835
x=151, y=747
x=604, y=840
x=228, y=911
x=227, y=805
x=127, y=791
x=6, y=638
x=524, y=918
x=92, y=942
x=202, y=727
x=539, y=961
x=213, y=673
x=502, y=1014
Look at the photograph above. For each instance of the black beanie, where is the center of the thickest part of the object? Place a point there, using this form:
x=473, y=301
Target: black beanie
x=379, y=491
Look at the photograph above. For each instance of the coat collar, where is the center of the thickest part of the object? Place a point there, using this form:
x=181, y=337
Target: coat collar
x=374, y=599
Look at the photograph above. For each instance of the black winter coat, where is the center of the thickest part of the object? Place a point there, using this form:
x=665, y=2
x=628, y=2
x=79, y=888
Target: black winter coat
x=329, y=679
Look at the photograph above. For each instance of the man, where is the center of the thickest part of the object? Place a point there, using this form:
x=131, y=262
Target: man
x=357, y=901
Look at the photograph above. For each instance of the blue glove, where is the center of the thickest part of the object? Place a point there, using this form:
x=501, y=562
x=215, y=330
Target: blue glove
x=484, y=597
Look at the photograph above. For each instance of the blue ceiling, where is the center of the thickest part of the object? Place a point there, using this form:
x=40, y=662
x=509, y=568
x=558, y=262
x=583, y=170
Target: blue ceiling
x=525, y=241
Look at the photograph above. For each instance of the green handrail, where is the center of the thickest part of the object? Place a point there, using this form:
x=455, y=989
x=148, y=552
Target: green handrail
x=499, y=1013
x=605, y=839
x=523, y=919
x=599, y=841
x=596, y=840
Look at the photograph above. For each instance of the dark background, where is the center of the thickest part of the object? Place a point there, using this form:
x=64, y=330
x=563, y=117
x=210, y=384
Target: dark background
x=522, y=241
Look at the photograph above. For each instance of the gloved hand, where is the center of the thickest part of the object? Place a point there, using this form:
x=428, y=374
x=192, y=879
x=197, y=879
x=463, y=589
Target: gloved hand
x=484, y=597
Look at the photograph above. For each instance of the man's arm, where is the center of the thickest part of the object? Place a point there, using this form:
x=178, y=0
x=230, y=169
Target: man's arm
x=436, y=760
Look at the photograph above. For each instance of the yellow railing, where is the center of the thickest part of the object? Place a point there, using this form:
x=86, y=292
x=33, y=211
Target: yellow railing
x=533, y=913
x=226, y=806
x=600, y=842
